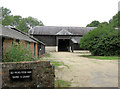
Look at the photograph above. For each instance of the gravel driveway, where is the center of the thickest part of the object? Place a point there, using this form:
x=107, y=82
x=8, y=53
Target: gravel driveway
x=85, y=72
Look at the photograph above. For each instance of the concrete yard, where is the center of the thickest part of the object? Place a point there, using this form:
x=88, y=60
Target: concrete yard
x=85, y=72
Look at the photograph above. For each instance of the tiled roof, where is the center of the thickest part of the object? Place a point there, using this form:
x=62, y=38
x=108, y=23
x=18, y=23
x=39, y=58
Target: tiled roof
x=16, y=34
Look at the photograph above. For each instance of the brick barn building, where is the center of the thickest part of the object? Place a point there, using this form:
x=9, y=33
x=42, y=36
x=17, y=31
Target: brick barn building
x=9, y=34
x=59, y=38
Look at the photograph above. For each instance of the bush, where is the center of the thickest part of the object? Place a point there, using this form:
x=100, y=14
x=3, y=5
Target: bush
x=17, y=53
x=102, y=41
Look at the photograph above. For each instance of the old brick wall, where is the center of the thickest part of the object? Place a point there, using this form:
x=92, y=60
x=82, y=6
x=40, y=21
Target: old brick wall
x=42, y=74
x=23, y=42
x=6, y=44
x=36, y=50
x=32, y=48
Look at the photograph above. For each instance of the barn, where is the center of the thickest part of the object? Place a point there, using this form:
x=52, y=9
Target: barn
x=10, y=34
x=60, y=38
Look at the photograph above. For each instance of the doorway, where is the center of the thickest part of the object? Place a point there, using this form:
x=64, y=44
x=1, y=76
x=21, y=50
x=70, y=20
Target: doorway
x=63, y=45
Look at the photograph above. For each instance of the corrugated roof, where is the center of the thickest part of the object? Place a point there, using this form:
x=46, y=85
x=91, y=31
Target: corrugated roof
x=53, y=30
x=16, y=34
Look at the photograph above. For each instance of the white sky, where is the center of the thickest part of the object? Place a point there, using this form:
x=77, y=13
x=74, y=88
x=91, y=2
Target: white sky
x=64, y=12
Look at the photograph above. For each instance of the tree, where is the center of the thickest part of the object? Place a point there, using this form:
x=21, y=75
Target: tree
x=102, y=41
x=27, y=23
x=115, y=21
x=118, y=23
x=23, y=24
x=11, y=20
x=5, y=12
x=103, y=24
x=8, y=20
x=17, y=20
x=93, y=24
x=32, y=22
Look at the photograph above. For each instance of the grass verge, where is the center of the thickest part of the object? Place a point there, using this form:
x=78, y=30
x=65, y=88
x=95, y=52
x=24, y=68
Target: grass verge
x=62, y=83
x=58, y=83
x=56, y=64
x=102, y=57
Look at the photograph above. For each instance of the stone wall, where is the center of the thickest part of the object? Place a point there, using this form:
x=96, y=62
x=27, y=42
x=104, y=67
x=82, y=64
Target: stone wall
x=42, y=74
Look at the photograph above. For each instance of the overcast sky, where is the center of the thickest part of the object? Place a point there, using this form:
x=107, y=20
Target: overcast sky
x=64, y=12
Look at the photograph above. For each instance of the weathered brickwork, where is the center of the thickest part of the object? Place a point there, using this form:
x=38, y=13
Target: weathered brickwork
x=32, y=48
x=42, y=74
x=7, y=43
x=36, y=50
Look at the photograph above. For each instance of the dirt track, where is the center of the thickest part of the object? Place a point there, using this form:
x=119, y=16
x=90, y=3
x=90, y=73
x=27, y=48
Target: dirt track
x=84, y=72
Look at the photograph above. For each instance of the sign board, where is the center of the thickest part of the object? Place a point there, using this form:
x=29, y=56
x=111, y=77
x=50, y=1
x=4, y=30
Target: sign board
x=21, y=75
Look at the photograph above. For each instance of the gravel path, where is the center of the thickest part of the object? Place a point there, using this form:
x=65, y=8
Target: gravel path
x=84, y=72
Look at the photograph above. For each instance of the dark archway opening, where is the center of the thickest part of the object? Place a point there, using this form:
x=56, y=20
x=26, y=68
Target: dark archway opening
x=63, y=45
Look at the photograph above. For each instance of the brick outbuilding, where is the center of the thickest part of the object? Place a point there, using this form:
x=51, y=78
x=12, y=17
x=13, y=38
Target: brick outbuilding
x=10, y=34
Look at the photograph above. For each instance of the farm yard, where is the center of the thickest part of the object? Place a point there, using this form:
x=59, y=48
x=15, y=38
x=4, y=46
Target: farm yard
x=34, y=54
x=84, y=72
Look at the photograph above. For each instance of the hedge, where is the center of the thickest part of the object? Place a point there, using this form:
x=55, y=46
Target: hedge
x=102, y=41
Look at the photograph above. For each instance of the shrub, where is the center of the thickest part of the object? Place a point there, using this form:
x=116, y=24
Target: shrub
x=17, y=53
x=102, y=41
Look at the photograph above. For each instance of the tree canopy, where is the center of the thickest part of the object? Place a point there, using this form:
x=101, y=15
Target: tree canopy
x=5, y=12
x=115, y=21
x=23, y=24
x=94, y=23
x=104, y=40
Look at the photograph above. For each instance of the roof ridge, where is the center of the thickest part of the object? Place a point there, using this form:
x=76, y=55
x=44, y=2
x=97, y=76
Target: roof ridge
x=63, y=31
x=65, y=26
x=54, y=30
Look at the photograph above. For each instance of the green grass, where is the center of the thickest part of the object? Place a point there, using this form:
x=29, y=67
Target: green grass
x=102, y=57
x=62, y=83
x=56, y=64
x=58, y=83
x=47, y=55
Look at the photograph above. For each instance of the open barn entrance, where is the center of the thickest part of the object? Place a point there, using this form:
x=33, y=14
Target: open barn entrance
x=63, y=45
